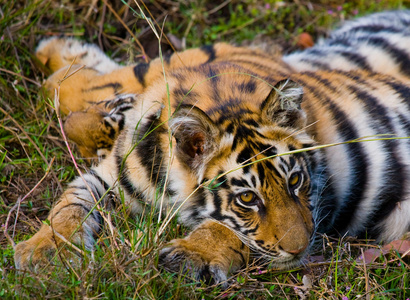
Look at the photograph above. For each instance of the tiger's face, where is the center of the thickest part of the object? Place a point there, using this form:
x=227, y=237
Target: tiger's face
x=264, y=198
x=251, y=183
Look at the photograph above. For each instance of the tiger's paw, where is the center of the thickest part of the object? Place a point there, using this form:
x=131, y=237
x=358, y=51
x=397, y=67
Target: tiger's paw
x=33, y=254
x=180, y=257
x=57, y=53
x=41, y=252
x=95, y=129
x=209, y=253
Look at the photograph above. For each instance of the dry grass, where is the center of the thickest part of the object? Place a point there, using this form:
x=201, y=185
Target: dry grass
x=124, y=265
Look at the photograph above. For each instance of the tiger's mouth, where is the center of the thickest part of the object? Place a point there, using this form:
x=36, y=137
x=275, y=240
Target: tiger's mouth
x=281, y=259
x=276, y=257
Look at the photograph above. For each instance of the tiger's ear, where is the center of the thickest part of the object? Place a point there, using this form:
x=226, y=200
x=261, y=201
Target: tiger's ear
x=196, y=136
x=283, y=105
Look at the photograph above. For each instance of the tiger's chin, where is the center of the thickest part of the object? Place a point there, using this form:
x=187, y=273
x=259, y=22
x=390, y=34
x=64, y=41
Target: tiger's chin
x=291, y=263
x=284, y=261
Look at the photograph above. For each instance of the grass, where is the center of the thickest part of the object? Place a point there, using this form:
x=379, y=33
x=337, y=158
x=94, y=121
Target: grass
x=124, y=264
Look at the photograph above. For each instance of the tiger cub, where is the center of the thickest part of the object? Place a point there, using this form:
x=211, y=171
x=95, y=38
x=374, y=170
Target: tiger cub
x=243, y=123
x=378, y=43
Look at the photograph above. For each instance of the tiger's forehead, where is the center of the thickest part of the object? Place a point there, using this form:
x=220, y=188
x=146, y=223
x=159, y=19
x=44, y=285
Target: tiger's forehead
x=247, y=146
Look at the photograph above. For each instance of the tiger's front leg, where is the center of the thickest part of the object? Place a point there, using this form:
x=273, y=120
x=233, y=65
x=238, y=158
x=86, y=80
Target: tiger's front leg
x=208, y=253
x=73, y=219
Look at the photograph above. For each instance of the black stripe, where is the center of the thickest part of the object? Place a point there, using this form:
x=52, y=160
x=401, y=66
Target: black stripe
x=85, y=208
x=253, y=179
x=93, y=188
x=318, y=64
x=149, y=149
x=405, y=123
x=261, y=174
x=283, y=162
x=244, y=132
x=210, y=51
x=253, y=230
x=212, y=72
x=251, y=122
x=355, y=58
x=239, y=253
x=247, y=87
x=268, y=165
x=95, y=215
x=402, y=89
x=104, y=144
x=338, y=41
x=124, y=179
x=116, y=86
x=112, y=132
x=217, y=215
x=150, y=154
x=244, y=158
x=167, y=58
x=103, y=182
x=184, y=96
x=371, y=28
x=292, y=162
x=140, y=71
x=239, y=182
x=399, y=56
x=197, y=209
x=121, y=123
x=229, y=129
x=229, y=111
x=79, y=187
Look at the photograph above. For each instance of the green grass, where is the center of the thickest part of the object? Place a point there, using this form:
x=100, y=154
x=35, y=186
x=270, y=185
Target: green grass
x=124, y=264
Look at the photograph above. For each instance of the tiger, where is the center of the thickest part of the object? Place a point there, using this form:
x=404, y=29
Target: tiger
x=255, y=157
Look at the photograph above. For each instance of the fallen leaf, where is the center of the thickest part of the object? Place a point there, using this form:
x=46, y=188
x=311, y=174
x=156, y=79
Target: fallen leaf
x=304, y=40
x=400, y=246
x=370, y=255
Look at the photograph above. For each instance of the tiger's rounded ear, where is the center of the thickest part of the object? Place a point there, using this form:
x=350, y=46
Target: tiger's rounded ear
x=196, y=136
x=283, y=105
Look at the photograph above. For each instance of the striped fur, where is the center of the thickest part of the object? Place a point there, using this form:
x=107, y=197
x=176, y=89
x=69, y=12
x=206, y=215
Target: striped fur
x=223, y=139
x=378, y=43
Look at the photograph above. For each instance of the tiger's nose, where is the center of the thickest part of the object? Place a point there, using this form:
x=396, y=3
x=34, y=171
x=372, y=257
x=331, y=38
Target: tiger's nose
x=298, y=251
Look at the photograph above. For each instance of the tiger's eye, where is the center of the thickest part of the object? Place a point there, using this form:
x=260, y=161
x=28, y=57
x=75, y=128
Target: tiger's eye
x=294, y=179
x=247, y=197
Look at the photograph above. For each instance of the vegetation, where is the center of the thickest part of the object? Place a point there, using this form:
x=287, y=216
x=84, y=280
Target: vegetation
x=35, y=164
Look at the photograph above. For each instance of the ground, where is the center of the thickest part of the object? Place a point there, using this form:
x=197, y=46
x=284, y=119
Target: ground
x=35, y=163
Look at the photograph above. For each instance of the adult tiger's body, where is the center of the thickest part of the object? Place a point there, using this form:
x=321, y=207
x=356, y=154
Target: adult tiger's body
x=378, y=43
x=217, y=117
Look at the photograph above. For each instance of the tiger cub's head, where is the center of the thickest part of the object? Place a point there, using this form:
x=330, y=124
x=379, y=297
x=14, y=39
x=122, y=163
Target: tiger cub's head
x=255, y=181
